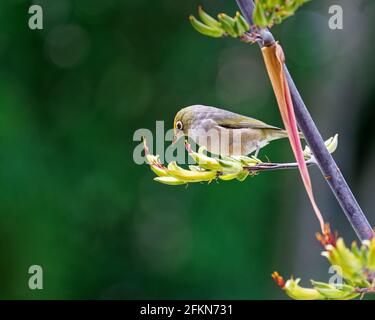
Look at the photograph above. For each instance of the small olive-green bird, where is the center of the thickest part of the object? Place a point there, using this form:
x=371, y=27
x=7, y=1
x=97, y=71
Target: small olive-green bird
x=223, y=132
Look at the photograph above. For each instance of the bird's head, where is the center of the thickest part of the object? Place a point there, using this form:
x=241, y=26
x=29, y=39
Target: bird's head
x=183, y=122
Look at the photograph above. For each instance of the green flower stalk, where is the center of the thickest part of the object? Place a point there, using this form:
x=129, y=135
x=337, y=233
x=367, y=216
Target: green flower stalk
x=270, y=12
x=223, y=168
x=354, y=265
x=225, y=25
x=266, y=14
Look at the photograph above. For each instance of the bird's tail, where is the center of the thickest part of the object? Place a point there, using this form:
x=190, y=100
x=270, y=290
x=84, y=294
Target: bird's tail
x=280, y=134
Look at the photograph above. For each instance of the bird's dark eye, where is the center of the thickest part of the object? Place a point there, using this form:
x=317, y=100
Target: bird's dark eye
x=179, y=125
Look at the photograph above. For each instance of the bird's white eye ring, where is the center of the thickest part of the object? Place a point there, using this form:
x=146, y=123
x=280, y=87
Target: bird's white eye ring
x=179, y=125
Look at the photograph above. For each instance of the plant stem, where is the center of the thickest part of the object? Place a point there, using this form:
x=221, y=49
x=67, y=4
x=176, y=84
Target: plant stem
x=277, y=166
x=326, y=163
x=365, y=290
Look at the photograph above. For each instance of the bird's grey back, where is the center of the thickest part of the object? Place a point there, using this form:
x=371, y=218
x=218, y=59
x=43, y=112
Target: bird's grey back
x=202, y=112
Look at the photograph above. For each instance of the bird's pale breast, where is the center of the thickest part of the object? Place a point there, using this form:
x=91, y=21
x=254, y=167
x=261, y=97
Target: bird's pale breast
x=227, y=142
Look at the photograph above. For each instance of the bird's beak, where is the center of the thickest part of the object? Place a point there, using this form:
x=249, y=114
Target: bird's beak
x=177, y=135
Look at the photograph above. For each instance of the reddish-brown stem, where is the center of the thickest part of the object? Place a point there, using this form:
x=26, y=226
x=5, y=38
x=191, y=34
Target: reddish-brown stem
x=326, y=163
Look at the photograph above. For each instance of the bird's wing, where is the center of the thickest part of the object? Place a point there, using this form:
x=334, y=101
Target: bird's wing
x=240, y=122
x=211, y=116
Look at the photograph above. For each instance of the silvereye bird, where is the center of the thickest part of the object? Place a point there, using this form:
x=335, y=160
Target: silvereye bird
x=223, y=132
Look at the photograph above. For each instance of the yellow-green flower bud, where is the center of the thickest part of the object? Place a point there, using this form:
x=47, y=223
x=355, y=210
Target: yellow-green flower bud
x=207, y=19
x=172, y=181
x=204, y=29
x=190, y=176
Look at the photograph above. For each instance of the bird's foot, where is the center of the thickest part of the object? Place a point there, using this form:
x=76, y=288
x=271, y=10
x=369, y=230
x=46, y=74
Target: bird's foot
x=257, y=151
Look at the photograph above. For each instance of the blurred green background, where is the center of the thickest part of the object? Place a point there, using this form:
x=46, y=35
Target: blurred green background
x=73, y=201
